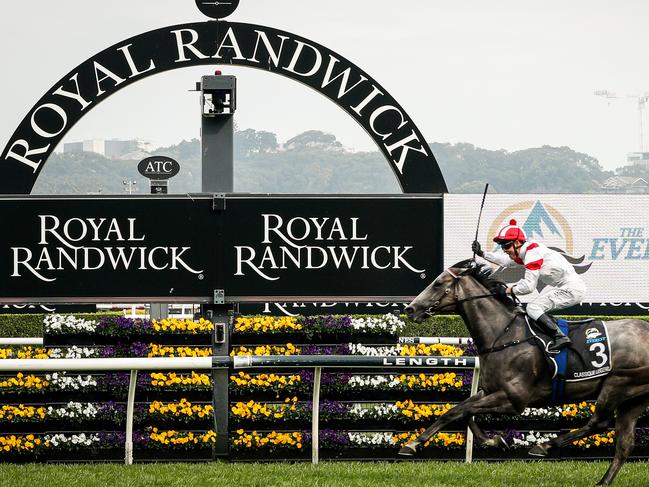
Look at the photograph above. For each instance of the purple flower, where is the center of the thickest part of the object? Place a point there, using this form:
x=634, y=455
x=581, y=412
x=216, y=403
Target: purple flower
x=325, y=350
x=139, y=349
x=329, y=438
x=124, y=326
x=326, y=324
x=108, y=351
x=119, y=380
x=471, y=350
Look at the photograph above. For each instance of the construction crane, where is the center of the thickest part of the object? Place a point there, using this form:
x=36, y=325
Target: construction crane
x=642, y=103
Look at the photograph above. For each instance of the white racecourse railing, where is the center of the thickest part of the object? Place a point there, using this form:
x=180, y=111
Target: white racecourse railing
x=317, y=362
x=21, y=341
x=435, y=340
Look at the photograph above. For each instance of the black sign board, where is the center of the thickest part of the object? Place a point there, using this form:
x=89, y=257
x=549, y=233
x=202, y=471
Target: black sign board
x=21, y=309
x=380, y=248
x=92, y=249
x=185, y=249
x=324, y=308
x=158, y=167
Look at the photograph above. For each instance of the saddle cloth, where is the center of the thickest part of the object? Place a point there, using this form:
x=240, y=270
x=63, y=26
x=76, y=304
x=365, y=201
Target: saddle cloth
x=589, y=355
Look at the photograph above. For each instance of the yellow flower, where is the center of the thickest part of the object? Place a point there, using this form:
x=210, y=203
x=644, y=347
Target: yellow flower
x=187, y=326
x=264, y=350
x=435, y=349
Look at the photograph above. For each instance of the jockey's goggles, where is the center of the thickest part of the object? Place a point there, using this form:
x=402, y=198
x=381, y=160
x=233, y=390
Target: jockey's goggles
x=506, y=244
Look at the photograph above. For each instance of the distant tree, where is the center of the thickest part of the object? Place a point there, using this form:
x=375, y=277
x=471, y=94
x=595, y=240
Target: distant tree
x=633, y=171
x=313, y=139
x=249, y=141
x=317, y=163
x=538, y=170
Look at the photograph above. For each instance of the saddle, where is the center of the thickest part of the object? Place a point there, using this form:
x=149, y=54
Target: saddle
x=588, y=357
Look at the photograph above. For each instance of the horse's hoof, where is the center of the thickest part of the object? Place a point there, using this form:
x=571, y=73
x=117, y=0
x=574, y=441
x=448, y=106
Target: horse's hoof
x=407, y=451
x=538, y=451
x=497, y=442
x=500, y=442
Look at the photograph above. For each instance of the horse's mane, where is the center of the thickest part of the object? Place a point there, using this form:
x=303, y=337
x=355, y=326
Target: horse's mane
x=482, y=273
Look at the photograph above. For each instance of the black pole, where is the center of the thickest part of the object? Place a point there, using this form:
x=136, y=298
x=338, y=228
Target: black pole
x=221, y=316
x=477, y=229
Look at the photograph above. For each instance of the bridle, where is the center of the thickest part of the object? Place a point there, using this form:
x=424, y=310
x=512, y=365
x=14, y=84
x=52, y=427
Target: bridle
x=431, y=310
x=435, y=307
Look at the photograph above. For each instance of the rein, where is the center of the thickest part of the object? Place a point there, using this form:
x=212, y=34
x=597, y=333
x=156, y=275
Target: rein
x=435, y=308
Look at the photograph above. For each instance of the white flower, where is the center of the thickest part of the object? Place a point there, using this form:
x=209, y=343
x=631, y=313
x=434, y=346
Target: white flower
x=74, y=352
x=64, y=382
x=73, y=410
x=533, y=438
x=75, y=439
x=374, y=411
x=371, y=439
x=365, y=381
x=388, y=322
x=67, y=323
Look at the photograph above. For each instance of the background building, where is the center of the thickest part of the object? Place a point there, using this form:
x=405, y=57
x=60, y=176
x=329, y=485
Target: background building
x=112, y=149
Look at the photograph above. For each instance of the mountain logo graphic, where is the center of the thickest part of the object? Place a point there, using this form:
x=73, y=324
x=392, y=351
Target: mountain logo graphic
x=543, y=223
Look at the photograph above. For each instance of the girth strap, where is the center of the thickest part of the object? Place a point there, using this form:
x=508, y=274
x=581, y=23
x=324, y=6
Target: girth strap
x=505, y=345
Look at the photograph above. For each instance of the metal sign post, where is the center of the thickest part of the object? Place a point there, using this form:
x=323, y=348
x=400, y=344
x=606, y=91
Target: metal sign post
x=222, y=317
x=218, y=104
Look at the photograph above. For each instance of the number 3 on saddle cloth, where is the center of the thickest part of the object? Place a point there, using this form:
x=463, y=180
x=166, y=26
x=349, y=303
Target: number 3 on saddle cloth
x=588, y=357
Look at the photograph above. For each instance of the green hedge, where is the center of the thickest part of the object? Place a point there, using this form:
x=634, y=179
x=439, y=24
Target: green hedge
x=31, y=325
x=453, y=326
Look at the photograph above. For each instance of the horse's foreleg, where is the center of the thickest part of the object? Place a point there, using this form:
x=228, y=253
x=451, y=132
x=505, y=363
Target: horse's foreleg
x=498, y=402
x=627, y=416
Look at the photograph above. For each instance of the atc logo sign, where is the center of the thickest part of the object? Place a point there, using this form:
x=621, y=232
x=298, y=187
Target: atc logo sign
x=158, y=167
x=540, y=222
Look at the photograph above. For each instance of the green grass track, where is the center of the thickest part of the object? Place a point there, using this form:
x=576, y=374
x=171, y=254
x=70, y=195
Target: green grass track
x=416, y=474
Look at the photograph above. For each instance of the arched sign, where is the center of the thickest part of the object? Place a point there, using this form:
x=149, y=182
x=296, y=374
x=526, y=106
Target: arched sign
x=219, y=42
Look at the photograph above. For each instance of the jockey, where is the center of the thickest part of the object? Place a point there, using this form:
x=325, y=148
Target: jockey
x=541, y=263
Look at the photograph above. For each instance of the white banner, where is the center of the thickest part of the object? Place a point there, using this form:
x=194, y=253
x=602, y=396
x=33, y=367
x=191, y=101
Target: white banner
x=605, y=237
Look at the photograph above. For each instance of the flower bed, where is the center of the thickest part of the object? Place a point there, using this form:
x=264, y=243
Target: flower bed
x=23, y=352
x=55, y=324
x=363, y=415
x=22, y=382
x=320, y=327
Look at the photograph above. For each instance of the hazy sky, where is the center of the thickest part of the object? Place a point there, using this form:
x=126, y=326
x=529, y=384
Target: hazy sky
x=507, y=74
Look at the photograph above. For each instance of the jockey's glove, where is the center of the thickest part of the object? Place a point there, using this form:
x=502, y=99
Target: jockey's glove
x=475, y=246
x=501, y=290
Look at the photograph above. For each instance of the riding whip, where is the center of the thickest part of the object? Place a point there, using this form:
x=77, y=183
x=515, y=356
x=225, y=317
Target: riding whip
x=484, y=196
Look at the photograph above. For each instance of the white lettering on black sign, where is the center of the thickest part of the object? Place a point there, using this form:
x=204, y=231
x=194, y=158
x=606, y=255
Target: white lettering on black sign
x=117, y=246
x=339, y=245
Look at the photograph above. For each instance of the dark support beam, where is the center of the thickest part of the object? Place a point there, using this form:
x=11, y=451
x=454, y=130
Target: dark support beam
x=222, y=317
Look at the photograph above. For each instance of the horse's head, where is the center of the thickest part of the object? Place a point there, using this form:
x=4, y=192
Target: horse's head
x=442, y=293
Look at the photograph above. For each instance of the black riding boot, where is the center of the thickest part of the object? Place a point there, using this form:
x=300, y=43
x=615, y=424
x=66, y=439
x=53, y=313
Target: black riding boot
x=559, y=340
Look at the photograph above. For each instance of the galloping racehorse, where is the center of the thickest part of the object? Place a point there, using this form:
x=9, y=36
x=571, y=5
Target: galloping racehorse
x=516, y=374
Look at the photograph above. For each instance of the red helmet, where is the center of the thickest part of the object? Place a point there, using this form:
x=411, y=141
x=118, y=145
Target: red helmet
x=510, y=233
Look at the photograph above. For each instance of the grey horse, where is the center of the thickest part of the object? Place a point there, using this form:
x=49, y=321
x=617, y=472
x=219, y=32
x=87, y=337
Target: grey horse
x=515, y=373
